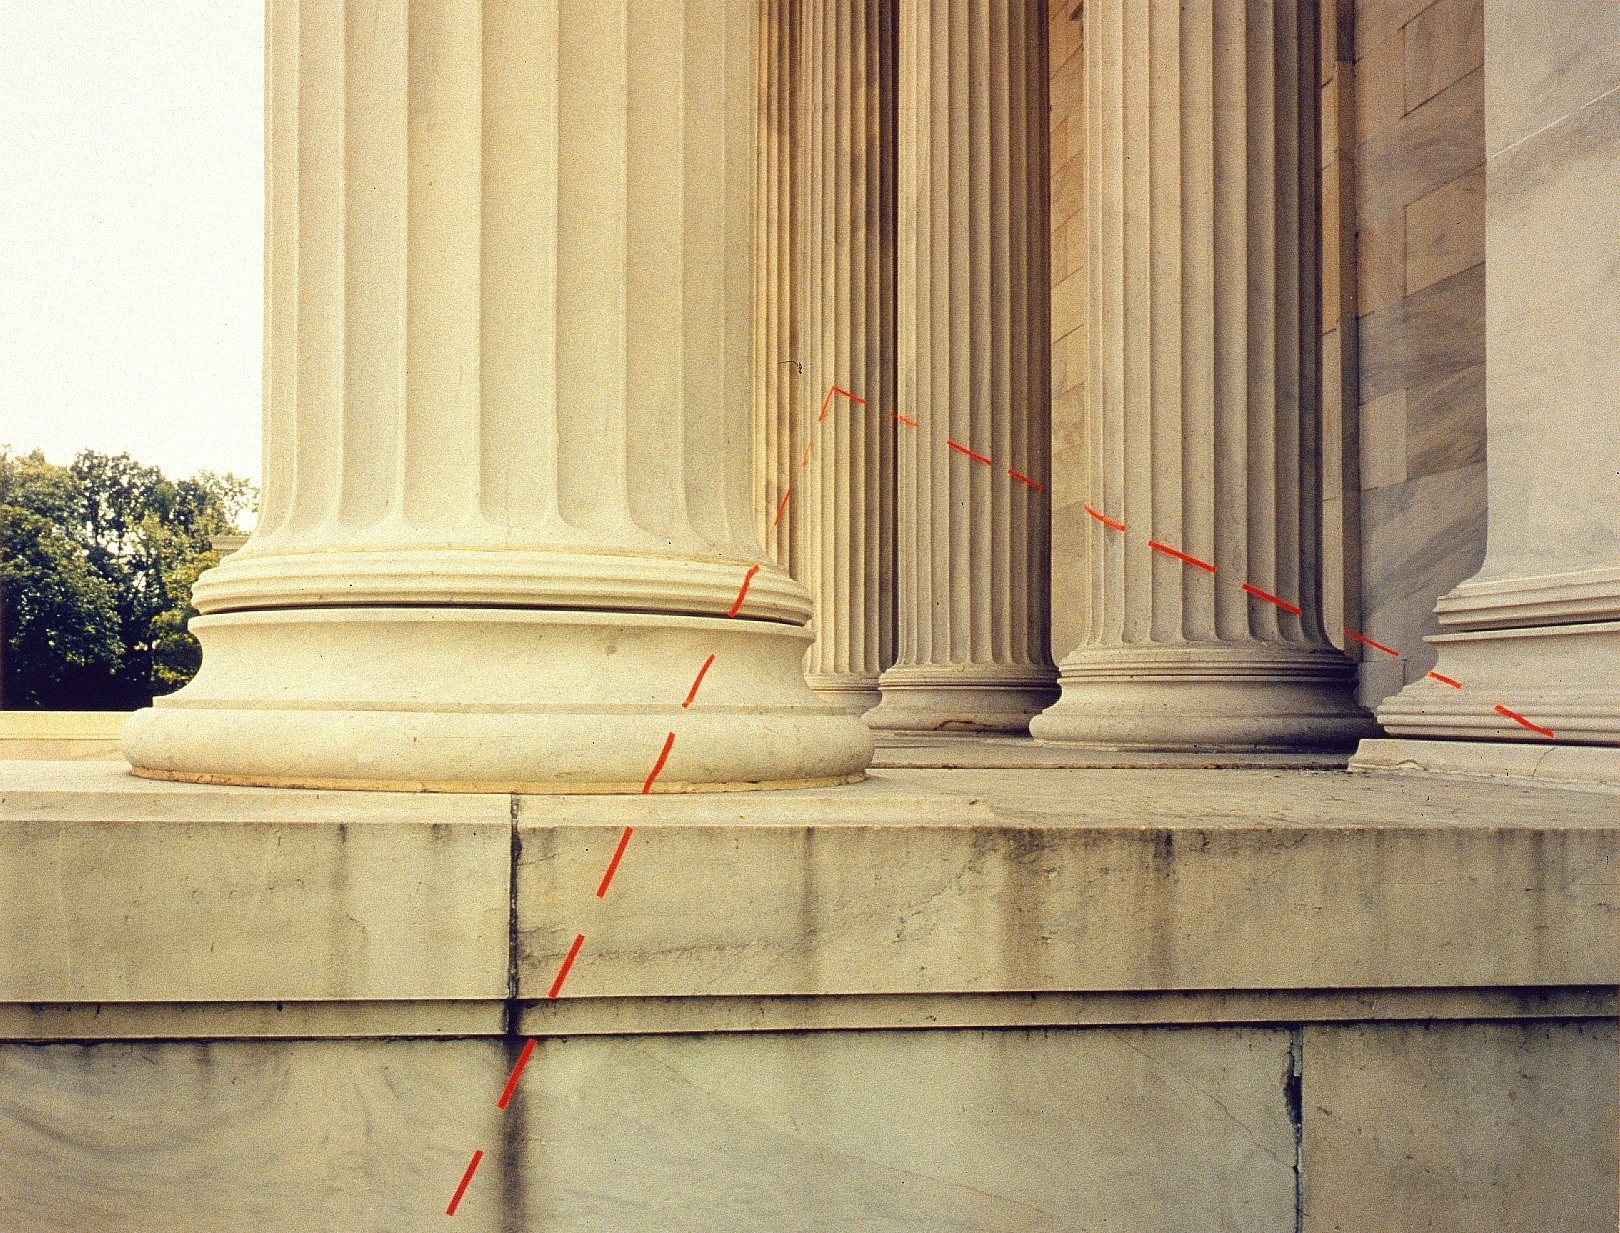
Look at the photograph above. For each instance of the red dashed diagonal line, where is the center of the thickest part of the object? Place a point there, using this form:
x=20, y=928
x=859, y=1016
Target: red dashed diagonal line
x=782, y=508
x=1366, y=641
x=1180, y=556
x=1272, y=599
x=1024, y=479
x=1444, y=680
x=742, y=591
x=517, y=1073
x=1523, y=722
x=962, y=449
x=466, y=1180
x=1115, y=523
x=567, y=963
x=658, y=767
x=613, y=865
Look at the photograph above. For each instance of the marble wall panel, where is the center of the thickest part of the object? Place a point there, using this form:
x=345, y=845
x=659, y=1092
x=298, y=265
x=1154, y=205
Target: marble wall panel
x=1444, y=43
x=243, y=1137
x=1434, y=334
x=1419, y=539
x=1445, y=231
x=1427, y=147
x=886, y=1132
x=1445, y=423
x=1457, y=1128
x=1554, y=205
x=1565, y=55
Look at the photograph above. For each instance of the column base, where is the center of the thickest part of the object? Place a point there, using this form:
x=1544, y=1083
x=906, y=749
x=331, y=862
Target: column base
x=496, y=700
x=1207, y=699
x=854, y=695
x=1562, y=678
x=972, y=699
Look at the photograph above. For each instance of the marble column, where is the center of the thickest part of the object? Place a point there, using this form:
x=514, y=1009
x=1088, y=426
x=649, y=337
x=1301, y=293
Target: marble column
x=1203, y=371
x=778, y=365
x=1536, y=633
x=508, y=514
x=974, y=301
x=845, y=514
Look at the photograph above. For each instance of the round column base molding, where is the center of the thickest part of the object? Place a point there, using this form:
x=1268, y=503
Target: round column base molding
x=1207, y=699
x=972, y=699
x=497, y=700
x=854, y=695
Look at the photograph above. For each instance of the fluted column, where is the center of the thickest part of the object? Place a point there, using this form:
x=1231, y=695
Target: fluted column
x=507, y=475
x=1204, y=629
x=845, y=519
x=971, y=569
x=778, y=366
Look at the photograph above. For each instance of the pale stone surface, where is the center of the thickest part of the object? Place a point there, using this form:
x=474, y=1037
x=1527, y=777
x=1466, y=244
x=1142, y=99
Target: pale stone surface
x=846, y=518
x=248, y=1137
x=974, y=293
x=923, y=881
x=53, y=735
x=118, y=889
x=1585, y=765
x=507, y=386
x=914, y=882
x=1200, y=437
x=1456, y=1128
x=1039, y=1132
x=1537, y=628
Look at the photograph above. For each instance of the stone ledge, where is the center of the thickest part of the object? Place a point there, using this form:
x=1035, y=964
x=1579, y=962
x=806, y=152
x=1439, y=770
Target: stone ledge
x=1589, y=767
x=1019, y=881
x=119, y=891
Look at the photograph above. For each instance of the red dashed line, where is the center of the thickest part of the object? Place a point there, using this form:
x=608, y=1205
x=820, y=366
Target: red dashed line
x=962, y=449
x=466, y=1180
x=805, y=461
x=904, y=419
x=517, y=1073
x=613, y=865
x=1444, y=680
x=702, y=672
x=827, y=401
x=1180, y=555
x=782, y=508
x=1523, y=722
x=1366, y=641
x=669, y=743
x=742, y=593
x=1104, y=518
x=1024, y=479
x=568, y=962
x=1272, y=599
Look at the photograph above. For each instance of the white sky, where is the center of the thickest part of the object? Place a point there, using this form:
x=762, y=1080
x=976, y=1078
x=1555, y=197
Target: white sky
x=131, y=232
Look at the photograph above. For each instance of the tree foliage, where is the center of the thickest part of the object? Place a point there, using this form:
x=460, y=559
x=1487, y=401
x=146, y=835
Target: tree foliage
x=97, y=561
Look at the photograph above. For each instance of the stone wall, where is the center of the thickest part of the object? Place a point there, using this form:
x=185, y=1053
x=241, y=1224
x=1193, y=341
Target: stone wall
x=978, y=1001
x=1419, y=135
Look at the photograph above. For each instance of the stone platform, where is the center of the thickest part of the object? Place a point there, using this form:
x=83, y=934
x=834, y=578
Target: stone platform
x=1046, y=999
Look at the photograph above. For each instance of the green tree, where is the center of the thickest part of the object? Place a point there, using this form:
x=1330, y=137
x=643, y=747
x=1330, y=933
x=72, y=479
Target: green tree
x=99, y=559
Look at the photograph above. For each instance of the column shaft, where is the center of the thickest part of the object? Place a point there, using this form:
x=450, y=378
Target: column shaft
x=508, y=507
x=845, y=523
x=972, y=580
x=1203, y=380
x=778, y=364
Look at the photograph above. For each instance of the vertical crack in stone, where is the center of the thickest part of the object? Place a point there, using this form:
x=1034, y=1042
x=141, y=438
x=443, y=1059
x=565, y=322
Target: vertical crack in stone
x=1294, y=1095
x=512, y=1007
